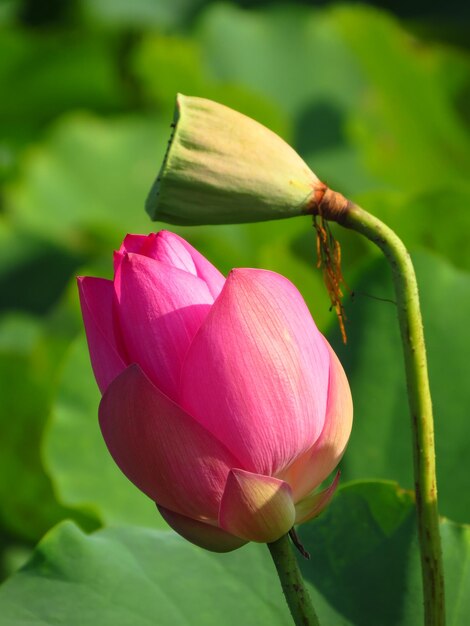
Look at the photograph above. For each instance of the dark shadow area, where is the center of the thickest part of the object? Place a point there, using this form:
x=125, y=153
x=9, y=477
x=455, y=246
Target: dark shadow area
x=33, y=278
x=319, y=127
x=451, y=10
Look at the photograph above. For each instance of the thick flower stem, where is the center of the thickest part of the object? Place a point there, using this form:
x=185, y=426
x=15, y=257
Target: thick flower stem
x=295, y=592
x=419, y=397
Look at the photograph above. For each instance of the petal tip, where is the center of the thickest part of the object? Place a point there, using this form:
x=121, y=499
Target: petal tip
x=316, y=503
x=255, y=507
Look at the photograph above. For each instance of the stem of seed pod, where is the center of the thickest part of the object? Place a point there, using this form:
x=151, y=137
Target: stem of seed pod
x=293, y=586
x=419, y=397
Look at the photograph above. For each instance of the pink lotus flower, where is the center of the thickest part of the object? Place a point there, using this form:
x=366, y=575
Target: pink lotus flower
x=221, y=400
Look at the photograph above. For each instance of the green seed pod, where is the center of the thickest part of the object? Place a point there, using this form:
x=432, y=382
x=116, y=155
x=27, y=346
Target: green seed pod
x=222, y=167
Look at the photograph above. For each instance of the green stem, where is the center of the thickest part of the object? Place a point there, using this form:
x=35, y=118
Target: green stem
x=295, y=592
x=419, y=398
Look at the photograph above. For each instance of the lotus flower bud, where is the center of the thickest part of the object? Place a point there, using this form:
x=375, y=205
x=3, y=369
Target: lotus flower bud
x=222, y=167
x=222, y=401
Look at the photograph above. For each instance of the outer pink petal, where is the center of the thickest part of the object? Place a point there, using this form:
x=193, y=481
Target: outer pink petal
x=205, y=270
x=161, y=448
x=256, y=374
x=160, y=309
x=200, y=533
x=255, y=507
x=96, y=299
x=312, y=468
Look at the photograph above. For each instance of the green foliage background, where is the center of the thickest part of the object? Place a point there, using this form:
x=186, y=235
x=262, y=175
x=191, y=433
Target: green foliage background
x=377, y=104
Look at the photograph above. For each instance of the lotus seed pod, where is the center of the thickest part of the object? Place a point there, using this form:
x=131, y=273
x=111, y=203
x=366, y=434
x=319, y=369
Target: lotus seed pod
x=222, y=167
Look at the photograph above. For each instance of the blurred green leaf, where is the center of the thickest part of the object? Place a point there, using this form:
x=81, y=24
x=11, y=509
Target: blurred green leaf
x=89, y=181
x=13, y=556
x=83, y=472
x=437, y=219
x=50, y=72
x=297, y=58
x=46, y=73
x=380, y=445
x=167, y=65
x=7, y=11
x=371, y=104
x=140, y=13
x=289, y=53
x=365, y=570
x=408, y=127
x=28, y=503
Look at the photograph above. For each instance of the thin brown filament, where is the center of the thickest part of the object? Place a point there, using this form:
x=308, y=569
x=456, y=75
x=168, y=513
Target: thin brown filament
x=329, y=260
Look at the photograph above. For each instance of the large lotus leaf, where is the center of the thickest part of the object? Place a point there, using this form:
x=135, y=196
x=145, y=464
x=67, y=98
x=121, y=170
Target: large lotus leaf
x=134, y=576
x=364, y=571
x=380, y=445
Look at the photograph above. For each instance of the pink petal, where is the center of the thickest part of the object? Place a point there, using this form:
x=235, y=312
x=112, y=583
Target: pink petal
x=256, y=374
x=96, y=300
x=173, y=250
x=132, y=243
x=162, y=246
x=200, y=533
x=168, y=248
x=312, y=468
x=162, y=449
x=160, y=309
x=315, y=503
x=204, y=269
x=255, y=507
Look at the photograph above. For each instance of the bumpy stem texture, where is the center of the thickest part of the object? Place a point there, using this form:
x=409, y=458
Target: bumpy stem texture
x=295, y=592
x=419, y=397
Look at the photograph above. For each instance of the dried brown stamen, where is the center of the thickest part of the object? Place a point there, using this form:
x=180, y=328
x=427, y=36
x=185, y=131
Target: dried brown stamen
x=329, y=260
